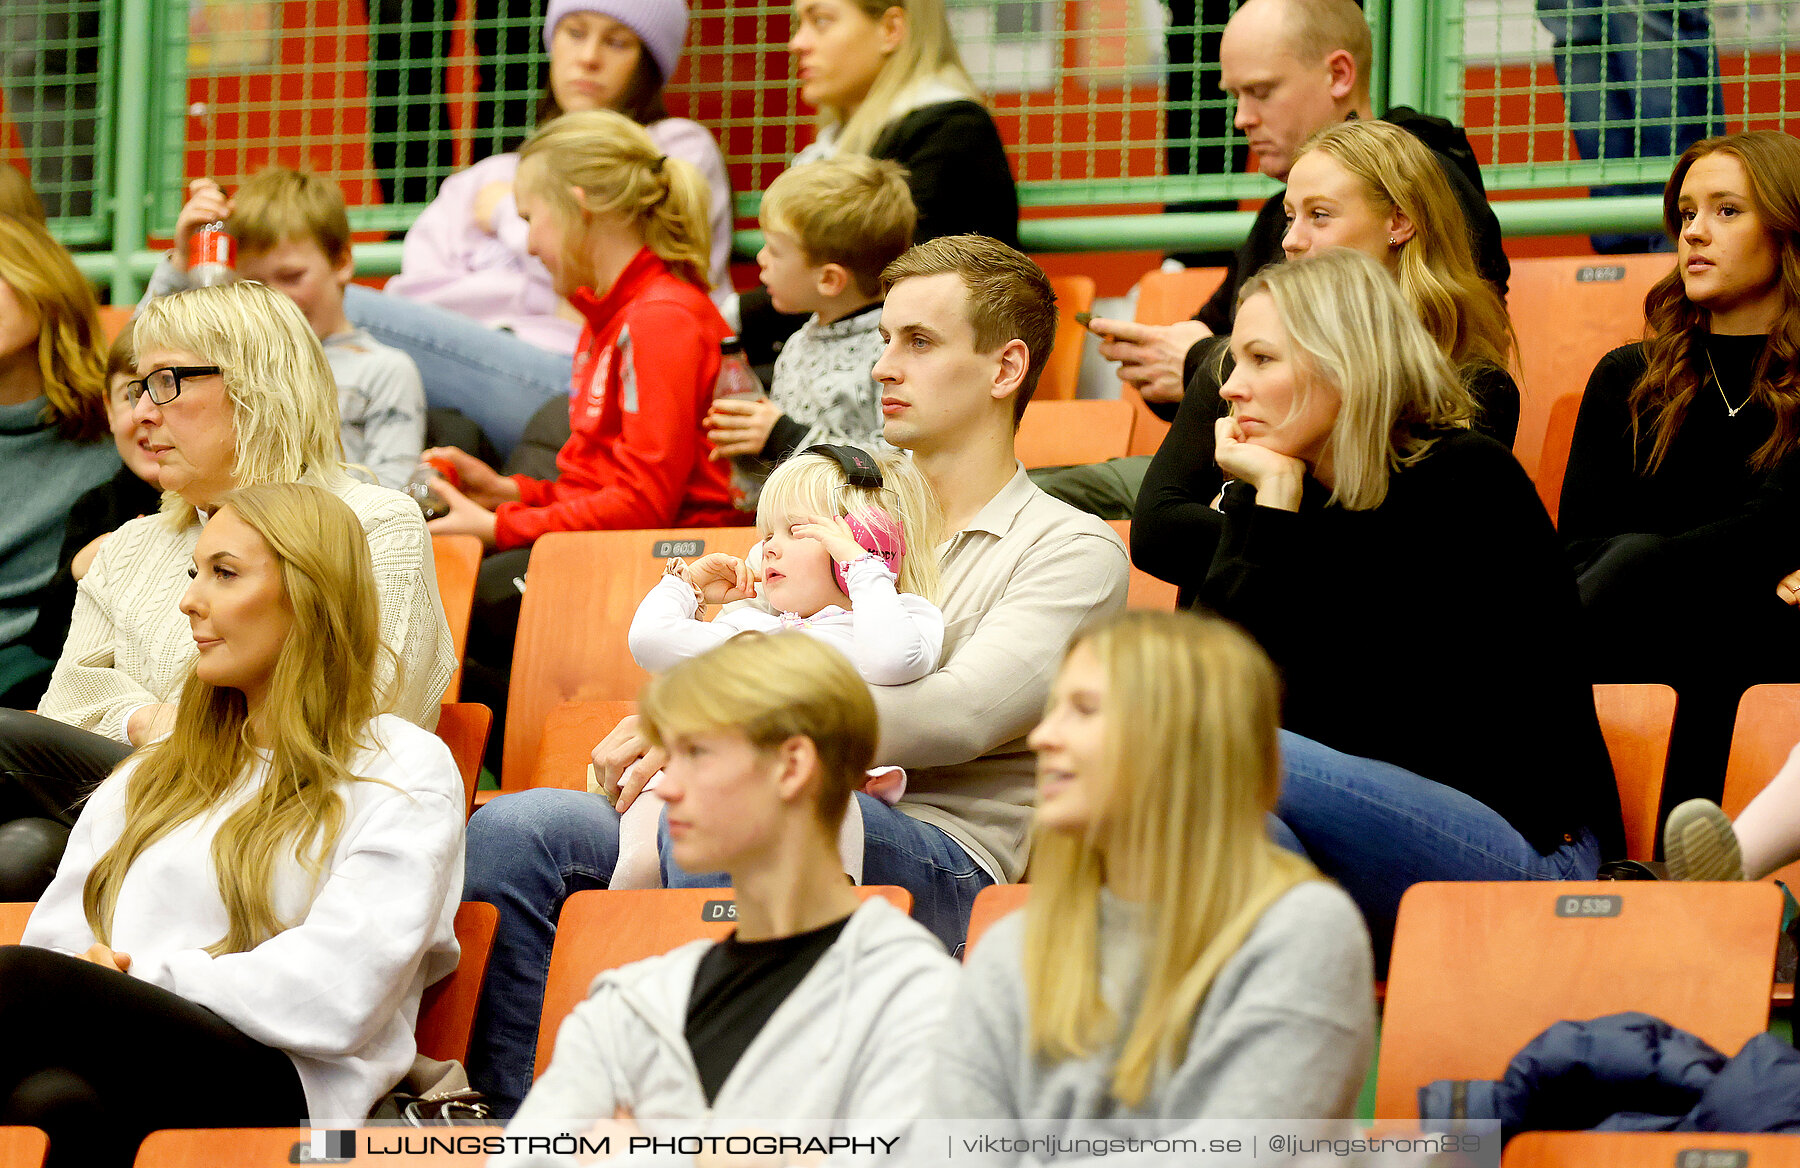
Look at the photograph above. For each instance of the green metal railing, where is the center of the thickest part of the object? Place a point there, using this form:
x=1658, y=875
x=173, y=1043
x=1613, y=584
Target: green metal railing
x=1108, y=106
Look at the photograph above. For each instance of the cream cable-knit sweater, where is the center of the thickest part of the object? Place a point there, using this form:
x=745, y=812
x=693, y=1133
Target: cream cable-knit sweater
x=129, y=645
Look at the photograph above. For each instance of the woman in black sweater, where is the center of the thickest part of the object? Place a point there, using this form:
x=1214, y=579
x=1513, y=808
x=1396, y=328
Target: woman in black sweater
x=1681, y=506
x=1374, y=188
x=1400, y=570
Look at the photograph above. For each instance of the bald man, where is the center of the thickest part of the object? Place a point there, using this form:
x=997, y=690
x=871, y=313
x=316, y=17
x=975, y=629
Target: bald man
x=1294, y=67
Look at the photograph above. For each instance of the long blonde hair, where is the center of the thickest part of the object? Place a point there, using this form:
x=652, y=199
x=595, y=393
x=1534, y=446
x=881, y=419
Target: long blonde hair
x=70, y=351
x=926, y=57
x=284, y=399
x=1458, y=307
x=621, y=172
x=1348, y=326
x=1192, y=708
x=814, y=484
x=320, y=701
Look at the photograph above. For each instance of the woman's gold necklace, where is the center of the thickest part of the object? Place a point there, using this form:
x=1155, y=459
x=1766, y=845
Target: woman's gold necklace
x=1720, y=386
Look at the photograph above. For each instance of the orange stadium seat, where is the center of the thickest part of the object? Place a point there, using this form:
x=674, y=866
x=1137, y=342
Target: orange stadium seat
x=1062, y=373
x=1164, y=298
x=1768, y=727
x=1144, y=590
x=992, y=903
x=1069, y=433
x=1636, y=721
x=22, y=1147
x=458, y=561
x=447, y=1011
x=281, y=1147
x=1479, y=969
x=1592, y=1149
x=464, y=727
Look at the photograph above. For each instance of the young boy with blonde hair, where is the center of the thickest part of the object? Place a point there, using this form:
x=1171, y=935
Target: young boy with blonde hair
x=293, y=234
x=829, y=228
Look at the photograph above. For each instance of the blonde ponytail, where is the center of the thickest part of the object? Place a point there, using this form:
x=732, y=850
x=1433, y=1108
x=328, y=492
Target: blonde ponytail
x=619, y=170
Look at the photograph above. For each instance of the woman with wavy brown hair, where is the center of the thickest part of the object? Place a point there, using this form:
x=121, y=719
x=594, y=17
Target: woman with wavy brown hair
x=1681, y=507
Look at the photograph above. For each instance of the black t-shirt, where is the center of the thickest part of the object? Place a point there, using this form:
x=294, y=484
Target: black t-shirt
x=737, y=989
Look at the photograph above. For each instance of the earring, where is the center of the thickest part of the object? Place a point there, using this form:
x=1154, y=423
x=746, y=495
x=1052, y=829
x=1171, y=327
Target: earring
x=1392, y=241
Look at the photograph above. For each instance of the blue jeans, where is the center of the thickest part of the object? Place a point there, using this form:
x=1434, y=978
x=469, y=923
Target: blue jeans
x=529, y=851
x=490, y=375
x=1622, y=62
x=1377, y=830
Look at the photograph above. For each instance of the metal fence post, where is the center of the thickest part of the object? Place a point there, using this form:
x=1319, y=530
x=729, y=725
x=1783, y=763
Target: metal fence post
x=131, y=172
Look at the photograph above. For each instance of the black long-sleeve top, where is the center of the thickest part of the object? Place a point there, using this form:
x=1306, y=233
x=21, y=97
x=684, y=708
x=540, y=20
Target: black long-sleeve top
x=1434, y=632
x=1726, y=520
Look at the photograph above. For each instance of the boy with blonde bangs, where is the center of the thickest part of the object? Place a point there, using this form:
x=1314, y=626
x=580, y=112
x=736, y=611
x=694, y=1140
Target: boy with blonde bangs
x=293, y=234
x=829, y=228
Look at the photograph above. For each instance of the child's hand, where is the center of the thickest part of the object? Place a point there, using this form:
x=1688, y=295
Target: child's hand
x=480, y=482
x=206, y=203
x=722, y=578
x=465, y=517
x=835, y=534
x=487, y=201
x=736, y=426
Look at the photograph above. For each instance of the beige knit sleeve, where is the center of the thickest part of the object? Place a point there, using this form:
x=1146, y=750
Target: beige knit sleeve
x=412, y=617
x=91, y=688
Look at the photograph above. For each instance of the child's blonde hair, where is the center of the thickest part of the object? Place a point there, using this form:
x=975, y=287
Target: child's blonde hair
x=851, y=210
x=280, y=204
x=619, y=171
x=815, y=484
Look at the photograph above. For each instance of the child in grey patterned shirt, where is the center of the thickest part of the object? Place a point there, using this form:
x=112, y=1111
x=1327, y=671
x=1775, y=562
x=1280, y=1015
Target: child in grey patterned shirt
x=829, y=228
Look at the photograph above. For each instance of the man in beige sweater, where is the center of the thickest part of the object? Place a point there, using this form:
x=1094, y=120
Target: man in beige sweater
x=968, y=324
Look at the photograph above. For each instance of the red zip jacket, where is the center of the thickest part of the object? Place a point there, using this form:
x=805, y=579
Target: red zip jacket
x=636, y=454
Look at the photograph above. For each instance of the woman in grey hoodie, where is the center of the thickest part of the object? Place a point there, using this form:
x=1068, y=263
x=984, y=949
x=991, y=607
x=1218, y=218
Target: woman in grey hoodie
x=818, y=1015
x=1173, y=966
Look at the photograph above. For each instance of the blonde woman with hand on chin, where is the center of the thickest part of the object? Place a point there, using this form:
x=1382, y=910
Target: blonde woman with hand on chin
x=258, y=900
x=1173, y=965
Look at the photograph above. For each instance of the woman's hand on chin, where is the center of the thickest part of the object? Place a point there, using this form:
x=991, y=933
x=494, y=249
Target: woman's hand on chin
x=466, y=517
x=1279, y=479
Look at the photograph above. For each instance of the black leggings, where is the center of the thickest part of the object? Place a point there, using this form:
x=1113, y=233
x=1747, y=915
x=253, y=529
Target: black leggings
x=46, y=770
x=99, y=1060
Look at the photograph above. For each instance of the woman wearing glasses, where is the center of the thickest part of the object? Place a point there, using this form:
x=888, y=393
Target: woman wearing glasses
x=233, y=391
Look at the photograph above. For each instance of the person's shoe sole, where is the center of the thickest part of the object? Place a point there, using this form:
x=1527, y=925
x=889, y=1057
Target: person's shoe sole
x=1699, y=843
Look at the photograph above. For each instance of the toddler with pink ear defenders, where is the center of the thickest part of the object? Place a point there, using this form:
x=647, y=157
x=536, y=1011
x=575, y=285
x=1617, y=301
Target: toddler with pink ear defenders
x=837, y=527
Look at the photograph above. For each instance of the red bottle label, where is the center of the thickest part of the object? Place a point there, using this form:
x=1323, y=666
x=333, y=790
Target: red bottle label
x=211, y=246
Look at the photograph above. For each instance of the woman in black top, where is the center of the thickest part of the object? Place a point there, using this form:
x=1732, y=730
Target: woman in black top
x=1681, y=505
x=1402, y=573
x=1374, y=188
x=888, y=82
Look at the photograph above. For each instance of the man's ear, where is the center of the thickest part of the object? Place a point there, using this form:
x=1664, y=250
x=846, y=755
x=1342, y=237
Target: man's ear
x=1340, y=67
x=799, y=765
x=345, y=269
x=1009, y=375
x=831, y=280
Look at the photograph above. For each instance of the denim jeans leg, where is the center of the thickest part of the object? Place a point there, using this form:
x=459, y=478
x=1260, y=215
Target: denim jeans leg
x=1378, y=829
x=492, y=376
x=526, y=853
x=942, y=877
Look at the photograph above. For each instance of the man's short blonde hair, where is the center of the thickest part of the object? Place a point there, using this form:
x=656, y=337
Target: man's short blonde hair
x=280, y=204
x=1318, y=28
x=850, y=210
x=1009, y=297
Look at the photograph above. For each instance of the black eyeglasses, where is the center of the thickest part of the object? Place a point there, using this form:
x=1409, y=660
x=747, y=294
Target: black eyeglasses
x=164, y=385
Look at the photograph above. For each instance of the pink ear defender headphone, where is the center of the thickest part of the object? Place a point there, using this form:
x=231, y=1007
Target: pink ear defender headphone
x=873, y=530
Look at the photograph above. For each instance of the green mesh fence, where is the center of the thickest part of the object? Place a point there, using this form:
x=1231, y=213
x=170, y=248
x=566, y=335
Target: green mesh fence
x=1109, y=104
x=56, y=101
x=387, y=98
x=1604, y=93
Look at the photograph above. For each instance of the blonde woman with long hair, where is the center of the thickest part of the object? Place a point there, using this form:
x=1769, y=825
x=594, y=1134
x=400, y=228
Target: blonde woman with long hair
x=1173, y=965
x=233, y=390
x=53, y=431
x=1402, y=573
x=887, y=81
x=259, y=899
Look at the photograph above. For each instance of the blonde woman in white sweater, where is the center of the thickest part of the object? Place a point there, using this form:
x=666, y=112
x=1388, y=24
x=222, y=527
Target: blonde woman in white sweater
x=234, y=391
x=257, y=901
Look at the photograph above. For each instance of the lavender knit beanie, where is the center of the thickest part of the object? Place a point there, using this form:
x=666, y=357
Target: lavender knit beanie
x=660, y=24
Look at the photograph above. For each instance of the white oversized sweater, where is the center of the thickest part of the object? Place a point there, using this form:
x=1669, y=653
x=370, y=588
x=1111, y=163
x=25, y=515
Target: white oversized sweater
x=129, y=645
x=339, y=991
